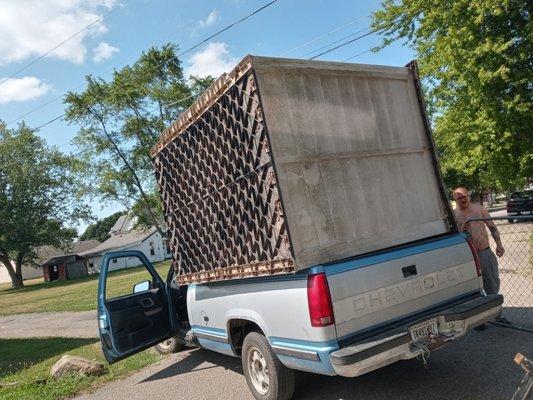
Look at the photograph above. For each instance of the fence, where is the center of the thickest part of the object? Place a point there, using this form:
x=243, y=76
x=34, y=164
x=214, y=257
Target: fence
x=515, y=265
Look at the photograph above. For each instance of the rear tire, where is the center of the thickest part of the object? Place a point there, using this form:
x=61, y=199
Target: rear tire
x=510, y=220
x=169, y=346
x=266, y=376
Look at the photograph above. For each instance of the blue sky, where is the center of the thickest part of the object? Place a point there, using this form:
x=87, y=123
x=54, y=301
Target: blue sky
x=288, y=28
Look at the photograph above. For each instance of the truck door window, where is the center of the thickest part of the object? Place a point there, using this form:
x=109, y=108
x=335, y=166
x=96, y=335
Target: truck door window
x=122, y=282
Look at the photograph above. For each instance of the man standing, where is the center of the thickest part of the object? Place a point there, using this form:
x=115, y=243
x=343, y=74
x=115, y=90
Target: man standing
x=478, y=235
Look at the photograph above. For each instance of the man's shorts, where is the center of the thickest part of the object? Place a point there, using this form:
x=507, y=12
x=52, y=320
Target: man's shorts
x=489, y=271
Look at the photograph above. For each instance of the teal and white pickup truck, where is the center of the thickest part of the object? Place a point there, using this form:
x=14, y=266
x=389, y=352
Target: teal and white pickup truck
x=309, y=227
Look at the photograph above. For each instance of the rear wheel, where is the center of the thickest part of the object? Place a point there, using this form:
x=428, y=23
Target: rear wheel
x=266, y=376
x=510, y=220
x=169, y=346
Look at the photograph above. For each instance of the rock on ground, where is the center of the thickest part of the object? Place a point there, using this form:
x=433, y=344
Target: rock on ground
x=75, y=365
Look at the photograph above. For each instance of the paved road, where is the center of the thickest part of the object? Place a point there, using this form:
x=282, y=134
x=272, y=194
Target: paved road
x=57, y=324
x=478, y=367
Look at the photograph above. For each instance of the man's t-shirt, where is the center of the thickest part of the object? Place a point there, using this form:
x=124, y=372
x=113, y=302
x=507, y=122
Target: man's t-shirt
x=478, y=233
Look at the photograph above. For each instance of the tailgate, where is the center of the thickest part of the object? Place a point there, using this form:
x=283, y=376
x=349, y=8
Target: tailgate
x=371, y=292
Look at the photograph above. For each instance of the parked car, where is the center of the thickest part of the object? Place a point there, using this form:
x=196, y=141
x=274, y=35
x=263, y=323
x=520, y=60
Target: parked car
x=519, y=203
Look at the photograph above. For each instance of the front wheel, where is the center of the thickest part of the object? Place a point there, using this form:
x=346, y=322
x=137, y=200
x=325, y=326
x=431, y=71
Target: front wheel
x=266, y=376
x=169, y=346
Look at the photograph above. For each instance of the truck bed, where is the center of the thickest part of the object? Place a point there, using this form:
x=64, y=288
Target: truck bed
x=371, y=295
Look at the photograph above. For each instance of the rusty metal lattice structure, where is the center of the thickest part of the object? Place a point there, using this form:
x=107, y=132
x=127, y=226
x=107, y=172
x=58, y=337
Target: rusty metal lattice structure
x=220, y=192
x=515, y=265
x=285, y=164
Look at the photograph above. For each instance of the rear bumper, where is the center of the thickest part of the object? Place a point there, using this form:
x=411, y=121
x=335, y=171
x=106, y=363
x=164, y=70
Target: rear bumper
x=392, y=346
x=519, y=212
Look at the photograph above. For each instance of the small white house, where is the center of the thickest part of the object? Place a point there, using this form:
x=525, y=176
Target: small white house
x=28, y=272
x=123, y=237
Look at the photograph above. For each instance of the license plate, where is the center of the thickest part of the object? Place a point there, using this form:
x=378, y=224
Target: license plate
x=422, y=330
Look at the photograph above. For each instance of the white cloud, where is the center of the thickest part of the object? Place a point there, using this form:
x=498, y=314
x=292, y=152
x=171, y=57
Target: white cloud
x=29, y=28
x=22, y=89
x=103, y=52
x=210, y=20
x=213, y=60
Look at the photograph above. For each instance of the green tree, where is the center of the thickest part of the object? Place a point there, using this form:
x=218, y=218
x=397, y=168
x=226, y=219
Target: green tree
x=38, y=199
x=122, y=119
x=100, y=229
x=477, y=61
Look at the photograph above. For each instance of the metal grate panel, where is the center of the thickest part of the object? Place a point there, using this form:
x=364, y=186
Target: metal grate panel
x=220, y=192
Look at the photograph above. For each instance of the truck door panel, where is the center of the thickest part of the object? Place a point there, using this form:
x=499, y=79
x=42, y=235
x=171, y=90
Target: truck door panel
x=132, y=322
x=134, y=319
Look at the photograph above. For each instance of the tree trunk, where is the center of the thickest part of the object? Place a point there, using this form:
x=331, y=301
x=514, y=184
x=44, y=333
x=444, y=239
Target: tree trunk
x=18, y=268
x=16, y=279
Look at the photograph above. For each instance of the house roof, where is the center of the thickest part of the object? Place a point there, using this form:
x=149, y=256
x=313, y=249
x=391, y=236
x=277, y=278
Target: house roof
x=122, y=225
x=83, y=245
x=63, y=259
x=45, y=253
x=120, y=241
x=48, y=253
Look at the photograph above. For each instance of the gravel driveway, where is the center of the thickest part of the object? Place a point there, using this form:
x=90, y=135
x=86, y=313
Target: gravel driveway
x=57, y=324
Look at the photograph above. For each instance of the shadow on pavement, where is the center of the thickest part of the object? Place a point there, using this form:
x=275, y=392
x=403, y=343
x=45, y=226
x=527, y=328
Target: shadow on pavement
x=520, y=317
x=193, y=362
x=480, y=366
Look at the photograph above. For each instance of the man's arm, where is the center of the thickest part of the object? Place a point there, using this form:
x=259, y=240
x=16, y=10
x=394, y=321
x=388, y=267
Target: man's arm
x=495, y=233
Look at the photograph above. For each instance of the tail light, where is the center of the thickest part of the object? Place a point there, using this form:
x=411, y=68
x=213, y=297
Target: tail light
x=319, y=300
x=476, y=257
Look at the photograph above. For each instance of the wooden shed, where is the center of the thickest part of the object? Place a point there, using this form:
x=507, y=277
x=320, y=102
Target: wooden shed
x=70, y=266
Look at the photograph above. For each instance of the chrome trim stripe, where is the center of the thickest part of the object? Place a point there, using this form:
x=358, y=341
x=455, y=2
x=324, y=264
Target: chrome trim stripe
x=305, y=354
x=209, y=336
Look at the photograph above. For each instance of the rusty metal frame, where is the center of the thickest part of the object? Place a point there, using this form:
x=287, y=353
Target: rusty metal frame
x=413, y=69
x=219, y=187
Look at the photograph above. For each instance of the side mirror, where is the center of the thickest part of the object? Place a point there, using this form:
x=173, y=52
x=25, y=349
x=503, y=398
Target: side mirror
x=142, y=286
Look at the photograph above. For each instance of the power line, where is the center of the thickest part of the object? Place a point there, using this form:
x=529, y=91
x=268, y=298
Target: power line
x=233, y=24
x=335, y=42
x=336, y=29
x=56, y=47
x=347, y=42
x=94, y=147
x=39, y=107
x=176, y=56
x=224, y=29
x=361, y=53
x=49, y=122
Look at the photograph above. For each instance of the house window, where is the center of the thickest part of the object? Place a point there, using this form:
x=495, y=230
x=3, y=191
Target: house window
x=114, y=261
x=152, y=250
x=167, y=246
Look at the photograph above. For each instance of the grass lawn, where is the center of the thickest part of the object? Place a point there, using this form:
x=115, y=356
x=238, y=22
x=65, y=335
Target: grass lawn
x=75, y=295
x=28, y=362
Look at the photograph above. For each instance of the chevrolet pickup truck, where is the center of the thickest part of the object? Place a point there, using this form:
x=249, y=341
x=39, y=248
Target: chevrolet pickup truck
x=309, y=227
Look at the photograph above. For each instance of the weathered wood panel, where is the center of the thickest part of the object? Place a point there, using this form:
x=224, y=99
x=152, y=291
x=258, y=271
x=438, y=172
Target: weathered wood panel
x=351, y=156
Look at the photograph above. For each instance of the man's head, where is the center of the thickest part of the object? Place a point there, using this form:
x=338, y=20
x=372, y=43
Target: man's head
x=462, y=197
